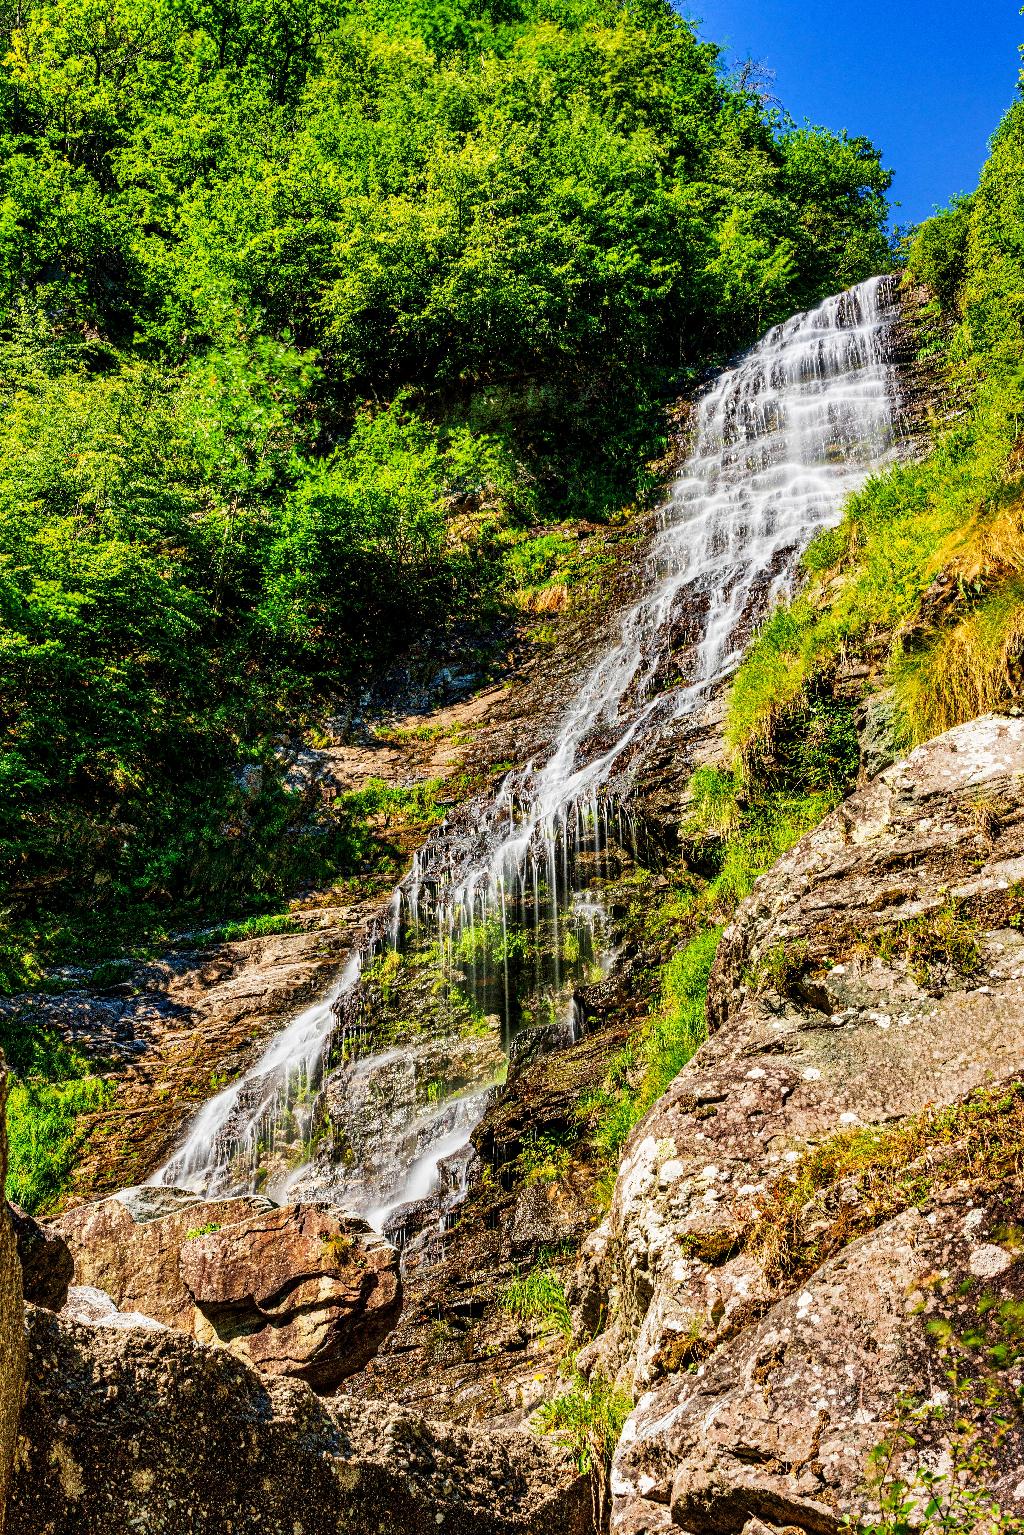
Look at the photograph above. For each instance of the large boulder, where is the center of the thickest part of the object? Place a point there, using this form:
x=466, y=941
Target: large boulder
x=12, y=1332
x=873, y=971
x=296, y=1289
x=125, y=1429
x=884, y=1366
x=874, y=975
x=47, y=1266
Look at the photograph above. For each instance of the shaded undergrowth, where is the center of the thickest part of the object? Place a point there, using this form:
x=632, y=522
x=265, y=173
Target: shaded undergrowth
x=52, y=1087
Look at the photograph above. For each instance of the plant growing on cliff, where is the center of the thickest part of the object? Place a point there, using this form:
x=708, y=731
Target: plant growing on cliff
x=858, y=1178
x=924, y=578
x=942, y=939
x=588, y=1416
x=538, y=1296
x=640, y=1073
x=932, y=1473
x=544, y=1159
x=43, y=1131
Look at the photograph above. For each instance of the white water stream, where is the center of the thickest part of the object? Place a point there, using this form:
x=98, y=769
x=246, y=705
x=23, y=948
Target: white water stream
x=779, y=442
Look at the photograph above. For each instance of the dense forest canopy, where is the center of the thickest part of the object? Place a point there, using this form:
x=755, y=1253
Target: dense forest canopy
x=309, y=312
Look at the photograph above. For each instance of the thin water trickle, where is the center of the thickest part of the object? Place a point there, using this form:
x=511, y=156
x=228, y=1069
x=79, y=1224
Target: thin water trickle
x=779, y=442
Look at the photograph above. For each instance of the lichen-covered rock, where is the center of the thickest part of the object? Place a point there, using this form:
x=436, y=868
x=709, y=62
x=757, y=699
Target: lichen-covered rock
x=874, y=976
x=47, y=1266
x=942, y=831
x=780, y=1425
x=872, y=971
x=12, y=1332
x=297, y=1289
x=134, y=1429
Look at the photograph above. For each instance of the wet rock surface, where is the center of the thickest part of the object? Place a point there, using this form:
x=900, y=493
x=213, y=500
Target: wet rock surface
x=296, y=1289
x=527, y=1191
x=173, y=1027
x=126, y=1428
x=456, y=1350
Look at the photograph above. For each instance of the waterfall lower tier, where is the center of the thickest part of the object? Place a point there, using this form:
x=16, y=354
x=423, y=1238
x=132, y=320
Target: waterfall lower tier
x=501, y=916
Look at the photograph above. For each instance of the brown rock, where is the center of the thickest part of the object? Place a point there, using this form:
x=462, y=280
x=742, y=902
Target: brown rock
x=127, y=1429
x=12, y=1332
x=297, y=1290
x=325, y=1288
x=129, y=1245
x=46, y=1262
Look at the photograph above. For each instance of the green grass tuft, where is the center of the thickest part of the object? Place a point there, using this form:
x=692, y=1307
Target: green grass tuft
x=589, y=1418
x=539, y=1296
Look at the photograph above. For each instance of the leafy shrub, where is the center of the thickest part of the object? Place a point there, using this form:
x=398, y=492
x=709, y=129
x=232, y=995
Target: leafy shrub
x=42, y=1134
x=938, y=253
x=589, y=1418
x=306, y=322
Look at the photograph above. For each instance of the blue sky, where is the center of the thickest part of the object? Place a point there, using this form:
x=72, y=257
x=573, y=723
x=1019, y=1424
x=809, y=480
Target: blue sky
x=927, y=80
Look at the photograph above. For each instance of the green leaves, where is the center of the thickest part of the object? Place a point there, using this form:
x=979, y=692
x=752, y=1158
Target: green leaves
x=305, y=312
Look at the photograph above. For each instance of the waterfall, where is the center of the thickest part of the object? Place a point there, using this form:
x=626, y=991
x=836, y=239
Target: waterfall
x=778, y=443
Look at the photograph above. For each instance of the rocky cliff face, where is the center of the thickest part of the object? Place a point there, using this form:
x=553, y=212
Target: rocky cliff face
x=876, y=1354
x=868, y=1014
x=12, y=1331
x=809, y=1280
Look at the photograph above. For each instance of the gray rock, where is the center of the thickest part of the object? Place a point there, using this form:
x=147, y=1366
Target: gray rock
x=819, y=1024
x=94, y=1308
x=780, y=1424
x=129, y=1429
x=878, y=745
x=873, y=973
x=150, y=1202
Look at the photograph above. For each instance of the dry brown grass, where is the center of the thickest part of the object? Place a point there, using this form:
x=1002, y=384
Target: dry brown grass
x=543, y=599
x=989, y=548
x=974, y=666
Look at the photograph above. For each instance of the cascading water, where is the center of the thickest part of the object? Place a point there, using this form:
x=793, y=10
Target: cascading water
x=778, y=443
